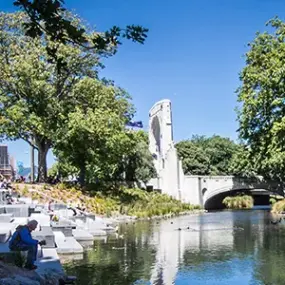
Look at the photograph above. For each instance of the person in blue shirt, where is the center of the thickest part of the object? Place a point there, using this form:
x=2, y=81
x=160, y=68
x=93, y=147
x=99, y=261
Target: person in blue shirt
x=22, y=241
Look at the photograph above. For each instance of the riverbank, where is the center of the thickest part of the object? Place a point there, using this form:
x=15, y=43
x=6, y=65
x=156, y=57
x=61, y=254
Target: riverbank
x=12, y=275
x=121, y=203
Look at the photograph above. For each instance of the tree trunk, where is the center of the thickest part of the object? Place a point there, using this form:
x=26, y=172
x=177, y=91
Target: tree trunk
x=82, y=175
x=43, y=149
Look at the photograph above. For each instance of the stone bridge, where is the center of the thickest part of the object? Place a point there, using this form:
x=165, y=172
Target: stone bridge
x=205, y=191
x=209, y=191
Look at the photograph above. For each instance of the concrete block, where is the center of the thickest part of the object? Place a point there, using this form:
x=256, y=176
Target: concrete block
x=46, y=234
x=17, y=210
x=2, y=210
x=58, y=206
x=42, y=219
x=25, y=200
x=8, y=226
x=82, y=235
x=66, y=230
x=99, y=225
x=49, y=262
x=6, y=218
x=20, y=221
x=4, y=235
x=80, y=222
x=97, y=232
x=67, y=245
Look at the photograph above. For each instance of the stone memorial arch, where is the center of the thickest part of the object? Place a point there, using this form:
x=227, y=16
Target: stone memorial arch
x=206, y=191
x=170, y=175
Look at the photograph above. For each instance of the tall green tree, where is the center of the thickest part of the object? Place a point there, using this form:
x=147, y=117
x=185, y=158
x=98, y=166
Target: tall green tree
x=94, y=136
x=37, y=96
x=261, y=113
x=206, y=156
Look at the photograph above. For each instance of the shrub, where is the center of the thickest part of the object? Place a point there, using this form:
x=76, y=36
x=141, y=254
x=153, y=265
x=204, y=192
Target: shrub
x=238, y=202
x=278, y=207
x=135, y=202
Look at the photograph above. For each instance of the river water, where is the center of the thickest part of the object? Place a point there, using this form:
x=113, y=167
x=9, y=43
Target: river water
x=229, y=247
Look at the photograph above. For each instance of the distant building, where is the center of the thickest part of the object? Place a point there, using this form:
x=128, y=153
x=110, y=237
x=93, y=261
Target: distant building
x=6, y=170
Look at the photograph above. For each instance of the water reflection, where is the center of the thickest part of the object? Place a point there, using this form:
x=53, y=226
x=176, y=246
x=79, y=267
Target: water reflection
x=240, y=247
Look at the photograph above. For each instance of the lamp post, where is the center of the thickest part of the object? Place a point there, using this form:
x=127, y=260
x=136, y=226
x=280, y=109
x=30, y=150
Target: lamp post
x=32, y=164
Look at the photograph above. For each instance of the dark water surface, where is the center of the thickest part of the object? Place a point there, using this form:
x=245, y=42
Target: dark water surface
x=238, y=247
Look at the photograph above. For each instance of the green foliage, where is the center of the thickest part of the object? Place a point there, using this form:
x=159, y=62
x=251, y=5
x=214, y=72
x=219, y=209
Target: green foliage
x=35, y=97
x=207, y=156
x=94, y=138
x=261, y=113
x=278, y=207
x=62, y=170
x=138, y=162
x=69, y=109
x=241, y=163
x=122, y=200
x=238, y=202
x=50, y=18
x=272, y=201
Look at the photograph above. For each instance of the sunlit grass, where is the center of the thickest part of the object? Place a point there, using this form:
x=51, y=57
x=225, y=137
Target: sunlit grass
x=238, y=202
x=121, y=201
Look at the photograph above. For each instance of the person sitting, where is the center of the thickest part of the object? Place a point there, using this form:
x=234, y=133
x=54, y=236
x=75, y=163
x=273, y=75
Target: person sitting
x=22, y=241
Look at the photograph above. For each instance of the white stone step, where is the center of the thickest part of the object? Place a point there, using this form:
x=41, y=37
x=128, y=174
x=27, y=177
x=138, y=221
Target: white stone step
x=42, y=219
x=8, y=227
x=97, y=232
x=82, y=235
x=66, y=245
x=49, y=262
x=5, y=234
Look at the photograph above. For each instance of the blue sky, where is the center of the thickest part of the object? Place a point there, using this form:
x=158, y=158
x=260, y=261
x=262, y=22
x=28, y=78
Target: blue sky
x=193, y=56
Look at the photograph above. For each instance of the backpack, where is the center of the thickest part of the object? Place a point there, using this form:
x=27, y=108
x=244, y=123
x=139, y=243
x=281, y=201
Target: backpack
x=16, y=237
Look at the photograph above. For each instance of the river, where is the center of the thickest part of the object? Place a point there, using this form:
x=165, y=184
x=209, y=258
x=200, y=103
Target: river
x=228, y=247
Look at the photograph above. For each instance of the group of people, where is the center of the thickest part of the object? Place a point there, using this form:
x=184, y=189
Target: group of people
x=5, y=184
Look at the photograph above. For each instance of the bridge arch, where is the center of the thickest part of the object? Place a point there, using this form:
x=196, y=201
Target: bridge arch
x=214, y=199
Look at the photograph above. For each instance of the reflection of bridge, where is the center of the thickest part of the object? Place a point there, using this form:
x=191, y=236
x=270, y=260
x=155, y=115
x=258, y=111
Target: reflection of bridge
x=213, y=240
x=200, y=190
x=171, y=244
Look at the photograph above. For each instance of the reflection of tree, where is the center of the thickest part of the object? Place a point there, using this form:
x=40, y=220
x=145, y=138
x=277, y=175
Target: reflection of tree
x=118, y=262
x=247, y=235
x=270, y=257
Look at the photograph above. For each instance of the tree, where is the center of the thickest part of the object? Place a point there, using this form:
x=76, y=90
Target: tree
x=206, y=156
x=261, y=114
x=195, y=161
x=94, y=137
x=35, y=97
x=241, y=165
x=138, y=162
x=49, y=17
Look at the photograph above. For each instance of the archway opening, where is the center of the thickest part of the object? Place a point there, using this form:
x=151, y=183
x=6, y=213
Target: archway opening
x=216, y=202
x=156, y=131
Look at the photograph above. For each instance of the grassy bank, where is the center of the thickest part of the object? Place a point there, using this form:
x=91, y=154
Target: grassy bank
x=122, y=201
x=238, y=202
